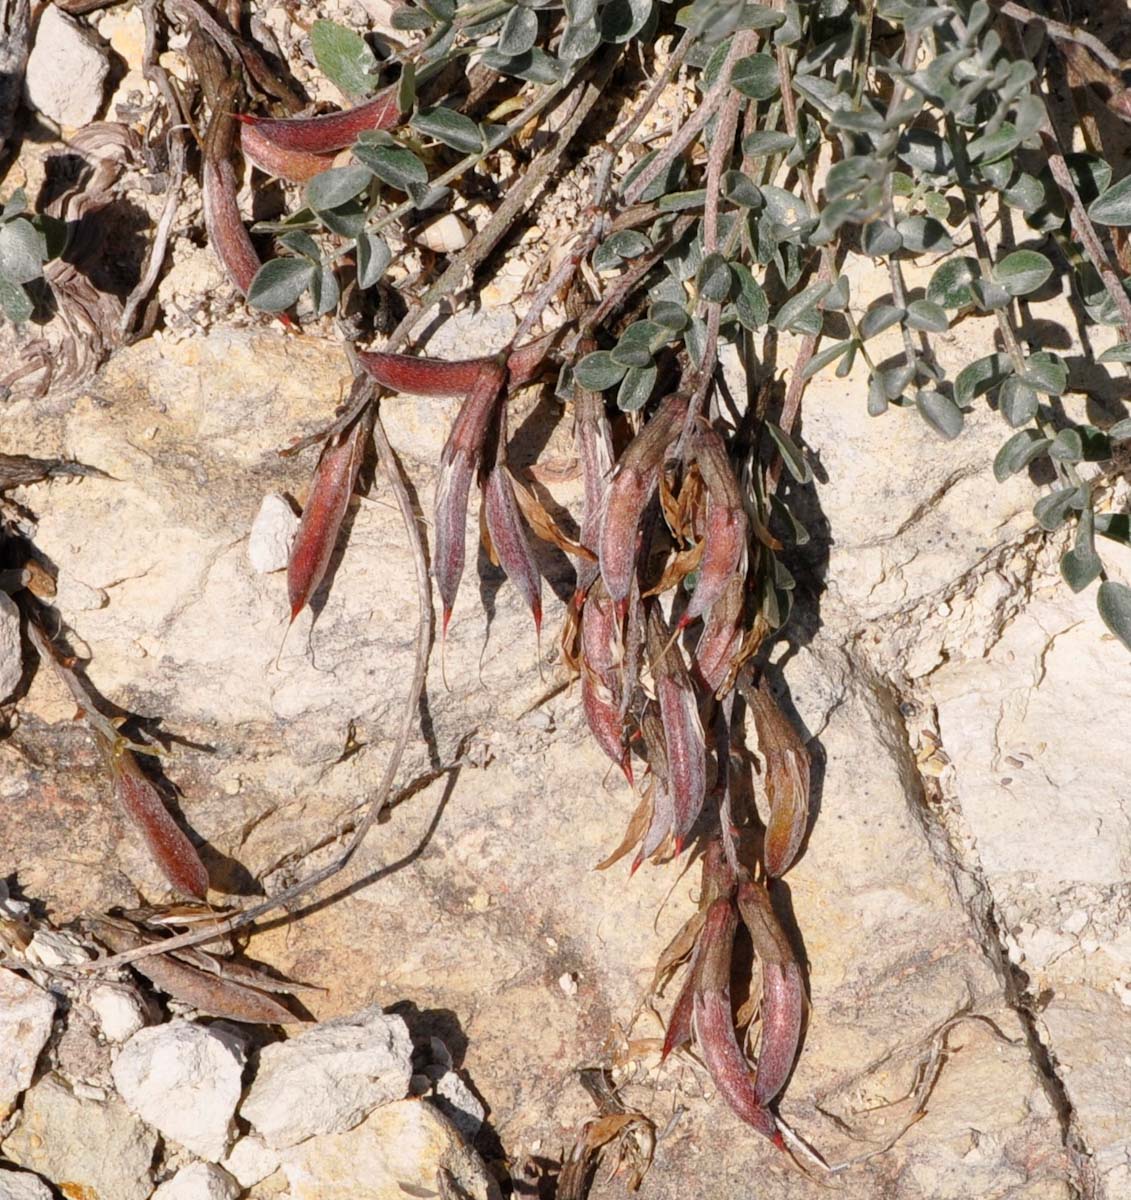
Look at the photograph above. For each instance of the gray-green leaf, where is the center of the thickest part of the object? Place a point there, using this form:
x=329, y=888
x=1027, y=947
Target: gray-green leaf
x=344, y=57
x=1022, y=272
x=394, y=165
x=1113, y=207
x=1113, y=600
x=14, y=301
x=280, y=282
x=373, y=258
x=928, y=316
x=1017, y=402
x=336, y=186
x=635, y=388
x=597, y=371
x=791, y=455
x=450, y=127
x=950, y=284
x=756, y=76
x=21, y=251
x=941, y=413
x=1018, y=452
x=519, y=32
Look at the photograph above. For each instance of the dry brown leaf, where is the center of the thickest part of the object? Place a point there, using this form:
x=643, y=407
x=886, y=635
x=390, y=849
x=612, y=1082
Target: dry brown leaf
x=543, y=525
x=678, y=567
x=637, y=827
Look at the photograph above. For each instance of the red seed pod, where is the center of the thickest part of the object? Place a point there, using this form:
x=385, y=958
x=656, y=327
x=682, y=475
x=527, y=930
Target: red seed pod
x=508, y=531
x=600, y=675
x=167, y=843
x=459, y=463
x=331, y=131
x=334, y=480
x=424, y=376
x=683, y=731
x=783, y=994
x=682, y=1018
x=526, y=361
x=663, y=811
x=724, y=548
x=629, y=492
x=714, y=1025
x=721, y=638
x=787, y=780
x=297, y=166
x=226, y=232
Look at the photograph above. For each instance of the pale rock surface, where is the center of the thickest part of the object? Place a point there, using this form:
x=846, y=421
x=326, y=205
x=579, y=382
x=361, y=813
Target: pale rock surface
x=119, y=1009
x=400, y=1148
x=26, y=1014
x=251, y=1160
x=199, y=1181
x=184, y=1079
x=86, y=1144
x=50, y=948
x=329, y=1078
x=66, y=70
x=11, y=652
x=458, y=1103
x=272, y=532
x=22, y=1185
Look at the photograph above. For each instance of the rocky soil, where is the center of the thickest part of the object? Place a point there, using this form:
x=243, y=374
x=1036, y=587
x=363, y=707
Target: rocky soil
x=962, y=900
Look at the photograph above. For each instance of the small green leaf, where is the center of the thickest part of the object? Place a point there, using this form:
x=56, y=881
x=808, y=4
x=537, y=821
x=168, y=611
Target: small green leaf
x=825, y=357
x=344, y=57
x=792, y=457
x=925, y=315
x=1081, y=564
x=373, y=259
x=1017, y=402
x=740, y=189
x=519, y=32
x=14, y=205
x=880, y=239
x=941, y=413
x=1113, y=600
x=302, y=243
x=1116, y=526
x=1121, y=430
x=1022, y=272
x=1113, y=207
x=950, y=284
x=670, y=315
x=1120, y=353
x=715, y=278
x=764, y=142
x=394, y=165
x=333, y=188
x=14, y=301
x=348, y=220
x=280, y=282
x=450, y=127
x=924, y=235
x=598, y=371
x=1067, y=446
x=1018, y=452
x=635, y=388
x=793, y=314
x=756, y=76
x=1046, y=372
x=750, y=305
x=1052, y=511
x=21, y=251
x=877, y=319
x=980, y=376
x=324, y=289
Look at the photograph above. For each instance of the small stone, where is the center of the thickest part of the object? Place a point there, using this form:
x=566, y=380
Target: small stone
x=26, y=1013
x=185, y=1080
x=459, y=1104
x=11, y=655
x=98, y=1149
x=198, y=1181
x=49, y=948
x=328, y=1079
x=119, y=1009
x=272, y=532
x=22, y=1185
x=251, y=1160
x=568, y=983
x=397, y=1150
x=1075, y=921
x=66, y=70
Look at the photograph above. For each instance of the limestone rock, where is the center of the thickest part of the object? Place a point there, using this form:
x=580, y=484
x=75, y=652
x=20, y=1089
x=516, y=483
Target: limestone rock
x=185, y=1080
x=198, y=1181
x=21, y=1185
x=329, y=1078
x=458, y=1103
x=272, y=532
x=250, y=1160
x=11, y=653
x=66, y=70
x=86, y=1144
x=26, y=1013
x=119, y=1009
x=398, y=1148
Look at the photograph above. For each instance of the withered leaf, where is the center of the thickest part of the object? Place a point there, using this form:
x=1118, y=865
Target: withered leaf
x=637, y=826
x=543, y=525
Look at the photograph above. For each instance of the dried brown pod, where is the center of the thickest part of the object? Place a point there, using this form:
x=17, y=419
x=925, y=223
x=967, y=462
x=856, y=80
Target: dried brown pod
x=335, y=478
x=783, y=995
x=787, y=779
x=459, y=463
x=16, y=470
x=714, y=1024
x=208, y=993
x=627, y=495
x=683, y=730
x=594, y=443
